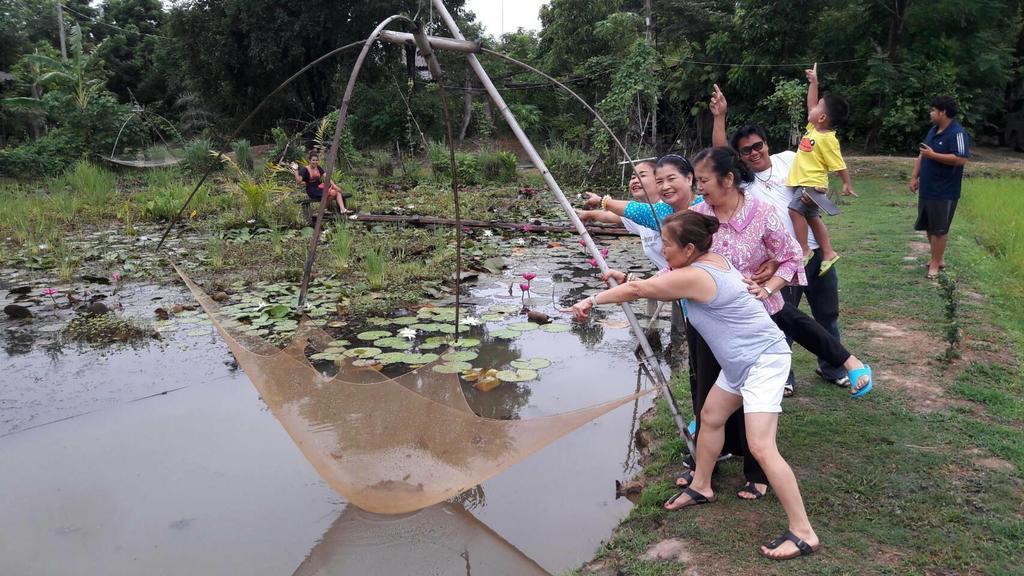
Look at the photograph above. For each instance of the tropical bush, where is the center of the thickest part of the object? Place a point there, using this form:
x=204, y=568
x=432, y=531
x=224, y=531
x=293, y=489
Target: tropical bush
x=568, y=165
x=498, y=167
x=47, y=156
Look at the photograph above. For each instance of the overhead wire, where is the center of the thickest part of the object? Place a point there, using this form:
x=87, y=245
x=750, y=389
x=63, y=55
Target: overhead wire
x=90, y=18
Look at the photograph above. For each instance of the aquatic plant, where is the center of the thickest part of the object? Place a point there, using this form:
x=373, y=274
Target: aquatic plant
x=341, y=244
x=243, y=154
x=374, y=262
x=95, y=186
x=277, y=241
x=215, y=248
x=105, y=329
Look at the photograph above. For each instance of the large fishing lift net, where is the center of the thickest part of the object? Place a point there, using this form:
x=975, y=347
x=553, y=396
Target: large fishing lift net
x=387, y=445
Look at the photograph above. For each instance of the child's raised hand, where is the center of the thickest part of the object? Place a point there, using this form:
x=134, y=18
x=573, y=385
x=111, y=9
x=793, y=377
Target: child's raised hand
x=812, y=74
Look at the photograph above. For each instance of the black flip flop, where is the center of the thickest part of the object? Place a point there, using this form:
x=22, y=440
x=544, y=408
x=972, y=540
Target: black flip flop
x=688, y=476
x=803, y=548
x=696, y=499
x=751, y=488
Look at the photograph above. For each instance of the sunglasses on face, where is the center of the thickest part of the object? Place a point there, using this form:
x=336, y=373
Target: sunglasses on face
x=755, y=147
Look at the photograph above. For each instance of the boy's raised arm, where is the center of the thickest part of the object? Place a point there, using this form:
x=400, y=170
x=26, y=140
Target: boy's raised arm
x=812, y=88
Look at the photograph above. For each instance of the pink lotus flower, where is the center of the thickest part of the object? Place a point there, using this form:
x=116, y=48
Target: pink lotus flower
x=527, y=228
x=593, y=262
x=116, y=277
x=524, y=287
x=50, y=292
x=582, y=243
x=529, y=276
x=604, y=252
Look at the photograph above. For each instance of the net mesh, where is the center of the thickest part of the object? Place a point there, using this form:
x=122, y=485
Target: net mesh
x=387, y=445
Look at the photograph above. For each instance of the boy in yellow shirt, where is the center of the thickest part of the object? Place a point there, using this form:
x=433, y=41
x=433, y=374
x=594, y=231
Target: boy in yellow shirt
x=818, y=155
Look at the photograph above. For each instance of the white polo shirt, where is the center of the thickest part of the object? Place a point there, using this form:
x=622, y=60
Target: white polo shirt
x=770, y=185
x=651, y=240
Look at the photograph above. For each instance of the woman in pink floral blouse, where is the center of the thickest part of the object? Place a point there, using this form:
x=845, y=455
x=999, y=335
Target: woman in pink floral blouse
x=753, y=238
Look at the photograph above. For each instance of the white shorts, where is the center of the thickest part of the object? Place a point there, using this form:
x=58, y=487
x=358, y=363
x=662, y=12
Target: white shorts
x=766, y=381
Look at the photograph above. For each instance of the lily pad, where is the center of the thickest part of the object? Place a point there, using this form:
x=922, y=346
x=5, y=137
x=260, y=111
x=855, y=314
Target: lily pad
x=373, y=335
x=378, y=321
x=505, y=309
x=531, y=363
x=505, y=334
x=556, y=328
x=364, y=353
x=278, y=311
x=460, y=356
x=365, y=363
x=394, y=343
x=521, y=375
x=414, y=359
x=452, y=367
x=493, y=317
x=391, y=358
x=523, y=326
x=466, y=343
x=404, y=321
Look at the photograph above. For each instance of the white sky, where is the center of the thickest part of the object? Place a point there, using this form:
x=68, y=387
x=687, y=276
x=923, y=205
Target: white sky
x=501, y=16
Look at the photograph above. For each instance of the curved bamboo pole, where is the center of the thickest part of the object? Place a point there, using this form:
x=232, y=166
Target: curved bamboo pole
x=242, y=125
x=307, y=271
x=593, y=113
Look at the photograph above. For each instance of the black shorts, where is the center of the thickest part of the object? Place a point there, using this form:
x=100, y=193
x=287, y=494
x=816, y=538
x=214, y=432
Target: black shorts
x=935, y=216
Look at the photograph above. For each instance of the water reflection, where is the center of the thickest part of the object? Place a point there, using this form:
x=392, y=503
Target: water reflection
x=443, y=539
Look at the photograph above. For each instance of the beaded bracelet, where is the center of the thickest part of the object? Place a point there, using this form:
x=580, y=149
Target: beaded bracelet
x=604, y=201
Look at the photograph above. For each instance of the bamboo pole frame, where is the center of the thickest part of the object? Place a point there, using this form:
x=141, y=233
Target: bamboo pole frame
x=648, y=353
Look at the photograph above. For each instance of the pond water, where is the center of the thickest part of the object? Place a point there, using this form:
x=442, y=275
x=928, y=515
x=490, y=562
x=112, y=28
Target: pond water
x=160, y=458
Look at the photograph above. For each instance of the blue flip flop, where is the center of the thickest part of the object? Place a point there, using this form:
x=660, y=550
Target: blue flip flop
x=855, y=376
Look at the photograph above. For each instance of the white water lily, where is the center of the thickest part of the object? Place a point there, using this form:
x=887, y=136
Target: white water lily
x=520, y=242
x=408, y=333
x=488, y=233
x=469, y=321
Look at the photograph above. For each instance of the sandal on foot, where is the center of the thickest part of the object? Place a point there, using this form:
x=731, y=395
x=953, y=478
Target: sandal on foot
x=855, y=376
x=843, y=382
x=751, y=488
x=802, y=548
x=807, y=257
x=687, y=476
x=826, y=265
x=696, y=499
x=788, y=391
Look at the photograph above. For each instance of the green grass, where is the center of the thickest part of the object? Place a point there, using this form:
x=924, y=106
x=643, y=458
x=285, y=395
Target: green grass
x=995, y=209
x=891, y=487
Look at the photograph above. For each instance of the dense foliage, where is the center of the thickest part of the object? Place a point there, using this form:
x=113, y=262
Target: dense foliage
x=200, y=66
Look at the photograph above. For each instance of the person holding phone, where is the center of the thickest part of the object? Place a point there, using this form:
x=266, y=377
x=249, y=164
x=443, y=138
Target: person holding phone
x=938, y=174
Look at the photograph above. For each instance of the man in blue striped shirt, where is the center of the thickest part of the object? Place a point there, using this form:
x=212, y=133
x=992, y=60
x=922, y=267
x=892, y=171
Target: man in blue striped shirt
x=938, y=173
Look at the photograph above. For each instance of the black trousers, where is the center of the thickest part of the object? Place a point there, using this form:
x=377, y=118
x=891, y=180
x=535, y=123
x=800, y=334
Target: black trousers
x=808, y=333
x=704, y=370
x=823, y=297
